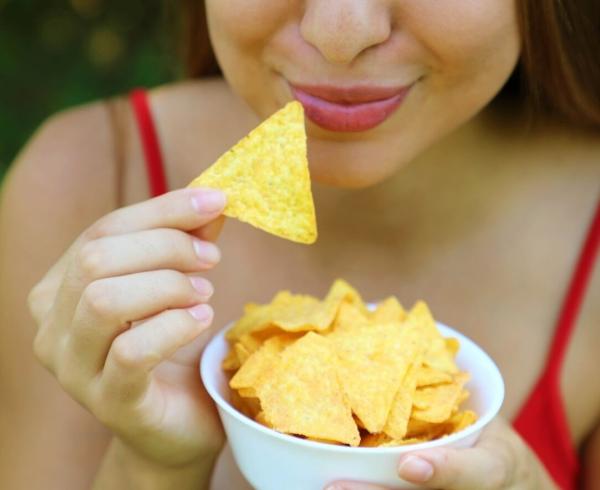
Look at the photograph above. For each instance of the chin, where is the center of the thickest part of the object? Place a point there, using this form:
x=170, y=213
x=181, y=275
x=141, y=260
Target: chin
x=348, y=175
x=351, y=165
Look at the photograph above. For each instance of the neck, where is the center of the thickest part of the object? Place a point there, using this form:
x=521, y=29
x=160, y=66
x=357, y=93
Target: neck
x=447, y=191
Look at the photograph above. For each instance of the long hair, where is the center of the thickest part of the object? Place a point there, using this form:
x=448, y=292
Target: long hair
x=558, y=73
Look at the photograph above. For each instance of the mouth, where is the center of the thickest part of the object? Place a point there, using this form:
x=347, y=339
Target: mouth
x=349, y=109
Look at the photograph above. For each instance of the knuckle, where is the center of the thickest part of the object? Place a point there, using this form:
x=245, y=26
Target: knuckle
x=499, y=475
x=179, y=245
x=37, y=302
x=68, y=380
x=42, y=350
x=178, y=318
x=123, y=353
x=104, y=412
x=33, y=303
x=526, y=473
x=178, y=283
x=98, y=299
x=33, y=297
x=90, y=259
x=172, y=276
x=100, y=228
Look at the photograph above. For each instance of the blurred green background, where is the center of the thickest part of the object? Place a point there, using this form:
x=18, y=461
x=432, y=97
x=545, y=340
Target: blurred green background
x=56, y=54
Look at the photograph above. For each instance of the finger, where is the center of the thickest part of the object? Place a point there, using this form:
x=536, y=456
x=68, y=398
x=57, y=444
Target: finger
x=354, y=485
x=162, y=248
x=108, y=306
x=137, y=351
x=186, y=209
x=489, y=465
x=183, y=209
x=42, y=295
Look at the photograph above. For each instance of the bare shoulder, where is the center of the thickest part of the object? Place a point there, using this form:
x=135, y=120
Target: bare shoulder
x=197, y=121
x=63, y=177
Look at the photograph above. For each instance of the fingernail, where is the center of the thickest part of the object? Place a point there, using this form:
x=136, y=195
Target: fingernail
x=415, y=469
x=208, y=201
x=207, y=252
x=202, y=313
x=203, y=287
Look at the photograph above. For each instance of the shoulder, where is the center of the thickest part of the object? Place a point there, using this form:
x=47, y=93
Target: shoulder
x=68, y=160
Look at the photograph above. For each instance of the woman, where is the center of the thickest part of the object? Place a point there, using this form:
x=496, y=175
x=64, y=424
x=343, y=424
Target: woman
x=426, y=185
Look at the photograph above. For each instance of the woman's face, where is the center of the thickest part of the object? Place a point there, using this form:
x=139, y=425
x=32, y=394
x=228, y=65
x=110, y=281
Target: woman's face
x=380, y=80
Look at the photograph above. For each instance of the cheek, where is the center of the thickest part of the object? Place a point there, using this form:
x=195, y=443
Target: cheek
x=240, y=31
x=470, y=42
x=245, y=22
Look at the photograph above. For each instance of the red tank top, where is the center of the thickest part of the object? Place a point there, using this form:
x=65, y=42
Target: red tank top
x=542, y=420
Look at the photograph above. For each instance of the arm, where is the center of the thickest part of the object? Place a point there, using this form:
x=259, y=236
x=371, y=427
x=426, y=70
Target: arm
x=85, y=336
x=124, y=470
x=41, y=212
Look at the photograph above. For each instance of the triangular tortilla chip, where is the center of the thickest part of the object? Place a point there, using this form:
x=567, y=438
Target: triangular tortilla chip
x=265, y=177
x=302, y=394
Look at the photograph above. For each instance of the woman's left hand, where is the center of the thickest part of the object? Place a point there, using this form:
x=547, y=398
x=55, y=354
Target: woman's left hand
x=499, y=461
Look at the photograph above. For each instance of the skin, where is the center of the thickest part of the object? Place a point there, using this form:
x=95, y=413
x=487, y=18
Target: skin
x=452, y=227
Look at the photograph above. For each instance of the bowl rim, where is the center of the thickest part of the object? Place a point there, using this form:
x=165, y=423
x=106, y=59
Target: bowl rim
x=496, y=404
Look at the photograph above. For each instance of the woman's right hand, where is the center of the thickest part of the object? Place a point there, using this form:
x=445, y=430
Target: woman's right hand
x=122, y=320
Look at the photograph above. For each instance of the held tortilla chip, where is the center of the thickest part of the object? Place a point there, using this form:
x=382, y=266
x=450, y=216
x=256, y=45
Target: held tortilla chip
x=265, y=177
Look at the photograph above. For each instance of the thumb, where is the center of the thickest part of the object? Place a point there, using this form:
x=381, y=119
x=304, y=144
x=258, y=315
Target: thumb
x=477, y=468
x=210, y=231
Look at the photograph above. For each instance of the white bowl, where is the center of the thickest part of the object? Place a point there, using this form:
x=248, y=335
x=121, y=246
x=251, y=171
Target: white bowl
x=273, y=461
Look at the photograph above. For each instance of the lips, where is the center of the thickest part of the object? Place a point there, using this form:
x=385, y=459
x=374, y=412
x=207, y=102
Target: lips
x=349, y=109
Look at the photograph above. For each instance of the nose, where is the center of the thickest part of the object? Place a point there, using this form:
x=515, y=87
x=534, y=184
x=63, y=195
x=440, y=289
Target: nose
x=342, y=29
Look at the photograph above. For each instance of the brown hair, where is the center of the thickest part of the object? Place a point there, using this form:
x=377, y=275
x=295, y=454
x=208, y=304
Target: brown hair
x=559, y=70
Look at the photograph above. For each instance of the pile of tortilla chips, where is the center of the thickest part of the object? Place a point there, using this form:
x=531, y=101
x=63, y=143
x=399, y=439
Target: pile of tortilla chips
x=333, y=371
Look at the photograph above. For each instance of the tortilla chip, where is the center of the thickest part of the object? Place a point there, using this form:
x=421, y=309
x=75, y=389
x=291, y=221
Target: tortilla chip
x=266, y=179
x=301, y=394
x=373, y=360
x=340, y=293
x=397, y=421
x=435, y=403
x=297, y=312
x=389, y=310
x=462, y=420
x=427, y=376
x=263, y=359
x=231, y=362
x=374, y=440
x=437, y=354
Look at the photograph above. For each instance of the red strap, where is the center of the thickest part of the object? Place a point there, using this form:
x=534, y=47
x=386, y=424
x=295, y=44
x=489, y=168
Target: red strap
x=572, y=303
x=150, y=143
x=542, y=421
